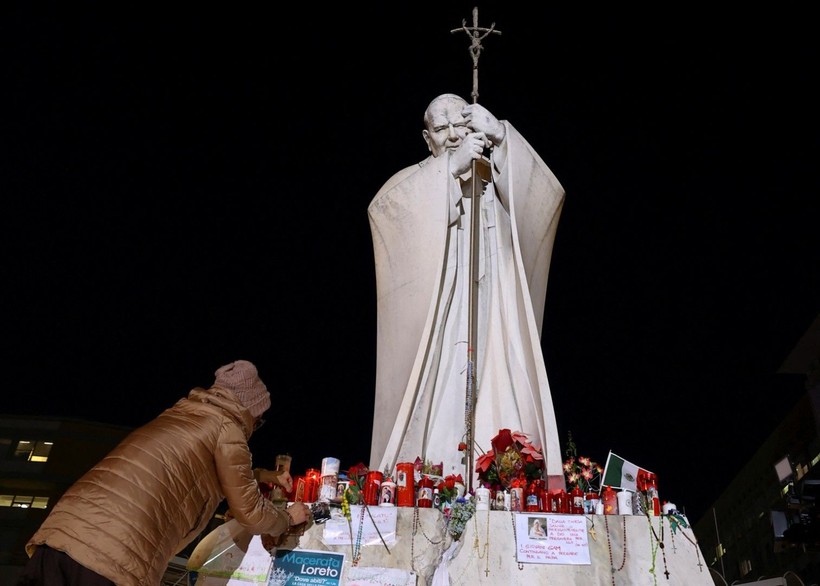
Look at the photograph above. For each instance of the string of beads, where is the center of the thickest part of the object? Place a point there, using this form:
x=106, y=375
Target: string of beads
x=357, y=547
x=485, y=553
x=609, y=547
x=416, y=527
x=515, y=537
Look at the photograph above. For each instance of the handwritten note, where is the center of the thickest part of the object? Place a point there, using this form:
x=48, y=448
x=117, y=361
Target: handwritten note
x=551, y=539
x=338, y=532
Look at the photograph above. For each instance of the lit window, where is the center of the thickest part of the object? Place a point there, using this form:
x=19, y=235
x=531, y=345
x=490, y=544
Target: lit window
x=23, y=501
x=32, y=451
x=41, y=452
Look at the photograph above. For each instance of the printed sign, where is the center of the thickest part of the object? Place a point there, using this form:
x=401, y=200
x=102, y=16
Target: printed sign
x=306, y=567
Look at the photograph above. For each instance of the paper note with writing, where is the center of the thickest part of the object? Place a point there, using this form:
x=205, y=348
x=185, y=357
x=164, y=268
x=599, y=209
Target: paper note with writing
x=337, y=531
x=370, y=576
x=230, y=555
x=551, y=539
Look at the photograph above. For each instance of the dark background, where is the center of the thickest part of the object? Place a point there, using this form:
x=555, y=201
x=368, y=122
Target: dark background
x=184, y=186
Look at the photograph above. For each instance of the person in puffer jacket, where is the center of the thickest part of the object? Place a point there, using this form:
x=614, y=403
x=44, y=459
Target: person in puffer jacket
x=124, y=520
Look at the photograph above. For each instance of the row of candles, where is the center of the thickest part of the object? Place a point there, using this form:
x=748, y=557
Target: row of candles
x=380, y=490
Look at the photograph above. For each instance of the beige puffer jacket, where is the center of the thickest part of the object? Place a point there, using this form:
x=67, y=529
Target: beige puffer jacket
x=156, y=492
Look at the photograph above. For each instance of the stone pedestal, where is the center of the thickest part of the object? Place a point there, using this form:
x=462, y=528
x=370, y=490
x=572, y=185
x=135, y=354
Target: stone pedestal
x=625, y=547
x=620, y=550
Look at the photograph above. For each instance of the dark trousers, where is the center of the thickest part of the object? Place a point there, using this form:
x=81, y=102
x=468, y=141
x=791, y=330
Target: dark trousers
x=50, y=567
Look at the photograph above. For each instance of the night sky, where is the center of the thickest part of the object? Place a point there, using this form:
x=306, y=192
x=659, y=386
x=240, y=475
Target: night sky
x=183, y=187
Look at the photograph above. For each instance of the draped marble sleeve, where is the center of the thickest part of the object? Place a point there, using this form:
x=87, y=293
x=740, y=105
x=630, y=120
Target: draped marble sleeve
x=535, y=199
x=408, y=222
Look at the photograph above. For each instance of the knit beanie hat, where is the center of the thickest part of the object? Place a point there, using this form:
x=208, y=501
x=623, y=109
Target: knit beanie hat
x=242, y=379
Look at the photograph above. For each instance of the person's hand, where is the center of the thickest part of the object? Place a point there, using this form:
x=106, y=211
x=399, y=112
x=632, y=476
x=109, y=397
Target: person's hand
x=299, y=513
x=280, y=477
x=480, y=119
x=284, y=479
x=471, y=148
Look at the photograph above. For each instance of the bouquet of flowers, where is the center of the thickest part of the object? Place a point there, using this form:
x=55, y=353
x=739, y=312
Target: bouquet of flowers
x=421, y=467
x=449, y=489
x=511, y=457
x=580, y=470
x=354, y=494
x=461, y=512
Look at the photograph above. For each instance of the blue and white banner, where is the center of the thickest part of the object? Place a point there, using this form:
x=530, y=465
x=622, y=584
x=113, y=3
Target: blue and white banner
x=303, y=567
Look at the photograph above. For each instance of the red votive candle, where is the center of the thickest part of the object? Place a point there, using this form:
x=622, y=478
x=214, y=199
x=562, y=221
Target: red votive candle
x=312, y=476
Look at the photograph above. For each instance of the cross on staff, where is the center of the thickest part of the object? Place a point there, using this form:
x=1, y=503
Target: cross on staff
x=476, y=34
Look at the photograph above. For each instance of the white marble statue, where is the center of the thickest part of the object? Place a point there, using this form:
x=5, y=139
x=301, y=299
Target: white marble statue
x=420, y=225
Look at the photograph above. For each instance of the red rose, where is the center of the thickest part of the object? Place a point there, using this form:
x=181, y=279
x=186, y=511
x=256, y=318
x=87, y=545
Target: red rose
x=358, y=470
x=502, y=441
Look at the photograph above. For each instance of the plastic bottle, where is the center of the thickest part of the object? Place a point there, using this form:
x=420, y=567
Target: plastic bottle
x=654, y=502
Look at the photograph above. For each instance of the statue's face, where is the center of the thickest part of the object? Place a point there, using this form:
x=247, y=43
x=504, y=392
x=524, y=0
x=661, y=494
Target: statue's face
x=446, y=127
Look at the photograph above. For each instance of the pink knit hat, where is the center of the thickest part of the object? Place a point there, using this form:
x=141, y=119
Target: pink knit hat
x=242, y=379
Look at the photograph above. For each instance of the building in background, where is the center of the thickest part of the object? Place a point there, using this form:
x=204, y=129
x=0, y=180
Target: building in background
x=767, y=521
x=39, y=459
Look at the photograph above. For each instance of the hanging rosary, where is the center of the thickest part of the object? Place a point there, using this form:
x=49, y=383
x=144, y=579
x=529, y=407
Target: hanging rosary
x=592, y=532
x=695, y=544
x=416, y=526
x=663, y=551
x=658, y=544
x=609, y=547
x=357, y=547
x=485, y=553
x=515, y=536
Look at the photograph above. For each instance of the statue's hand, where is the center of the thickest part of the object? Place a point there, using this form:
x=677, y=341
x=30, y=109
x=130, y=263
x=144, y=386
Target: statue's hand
x=471, y=148
x=480, y=119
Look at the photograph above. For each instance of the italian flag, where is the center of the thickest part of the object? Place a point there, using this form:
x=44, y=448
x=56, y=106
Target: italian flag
x=620, y=473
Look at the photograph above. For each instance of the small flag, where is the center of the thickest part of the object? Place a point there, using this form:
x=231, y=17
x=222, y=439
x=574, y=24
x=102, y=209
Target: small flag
x=620, y=473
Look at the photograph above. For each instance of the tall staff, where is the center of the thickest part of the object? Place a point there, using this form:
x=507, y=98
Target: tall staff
x=476, y=34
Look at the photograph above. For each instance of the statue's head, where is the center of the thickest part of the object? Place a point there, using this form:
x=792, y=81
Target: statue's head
x=444, y=126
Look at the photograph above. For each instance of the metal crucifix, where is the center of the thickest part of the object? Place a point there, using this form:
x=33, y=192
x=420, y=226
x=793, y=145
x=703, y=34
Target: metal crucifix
x=476, y=34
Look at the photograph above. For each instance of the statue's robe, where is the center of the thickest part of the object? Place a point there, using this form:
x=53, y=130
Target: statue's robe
x=420, y=224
